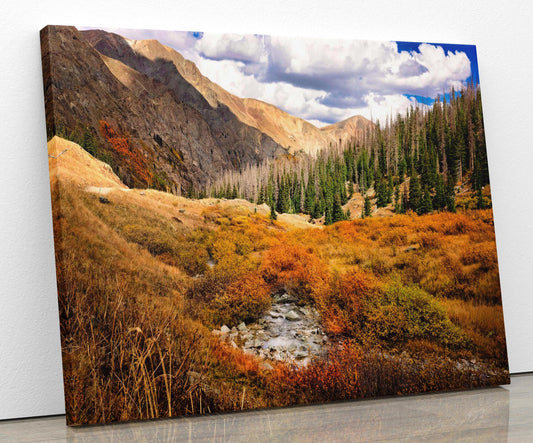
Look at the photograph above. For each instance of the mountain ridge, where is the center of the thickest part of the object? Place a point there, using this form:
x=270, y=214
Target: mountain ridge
x=291, y=132
x=156, y=135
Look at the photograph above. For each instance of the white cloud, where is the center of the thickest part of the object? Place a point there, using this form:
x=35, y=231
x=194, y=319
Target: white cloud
x=305, y=103
x=245, y=48
x=321, y=80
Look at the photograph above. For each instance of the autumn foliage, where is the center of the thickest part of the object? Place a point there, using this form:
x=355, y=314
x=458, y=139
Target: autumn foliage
x=409, y=304
x=243, y=300
x=296, y=269
x=129, y=157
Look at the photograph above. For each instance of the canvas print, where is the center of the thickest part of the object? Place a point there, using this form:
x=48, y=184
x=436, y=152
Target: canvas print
x=250, y=221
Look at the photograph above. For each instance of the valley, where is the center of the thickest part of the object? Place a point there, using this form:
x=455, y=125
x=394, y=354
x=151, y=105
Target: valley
x=159, y=273
x=215, y=253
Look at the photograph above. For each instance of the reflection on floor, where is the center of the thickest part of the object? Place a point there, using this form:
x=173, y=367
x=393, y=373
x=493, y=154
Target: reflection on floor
x=494, y=414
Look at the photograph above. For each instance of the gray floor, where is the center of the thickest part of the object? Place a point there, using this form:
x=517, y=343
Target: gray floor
x=496, y=414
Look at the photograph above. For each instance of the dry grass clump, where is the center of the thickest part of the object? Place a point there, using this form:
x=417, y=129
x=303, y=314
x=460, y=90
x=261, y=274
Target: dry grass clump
x=127, y=348
x=483, y=324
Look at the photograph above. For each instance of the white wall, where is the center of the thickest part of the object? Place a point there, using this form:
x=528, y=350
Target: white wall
x=30, y=366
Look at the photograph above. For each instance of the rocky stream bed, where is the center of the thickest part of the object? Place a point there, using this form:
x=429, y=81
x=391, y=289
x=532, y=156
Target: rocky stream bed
x=287, y=332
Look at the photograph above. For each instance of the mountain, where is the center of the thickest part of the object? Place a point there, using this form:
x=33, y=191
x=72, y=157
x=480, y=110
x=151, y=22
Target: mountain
x=155, y=133
x=293, y=133
x=352, y=128
x=141, y=107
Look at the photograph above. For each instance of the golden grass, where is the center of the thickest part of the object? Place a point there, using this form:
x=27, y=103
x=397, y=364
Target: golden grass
x=74, y=164
x=404, y=299
x=483, y=323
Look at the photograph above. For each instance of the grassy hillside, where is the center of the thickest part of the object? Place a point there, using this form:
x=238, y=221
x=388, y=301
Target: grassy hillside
x=409, y=302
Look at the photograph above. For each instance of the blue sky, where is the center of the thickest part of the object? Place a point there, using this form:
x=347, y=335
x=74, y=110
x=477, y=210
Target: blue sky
x=469, y=50
x=324, y=81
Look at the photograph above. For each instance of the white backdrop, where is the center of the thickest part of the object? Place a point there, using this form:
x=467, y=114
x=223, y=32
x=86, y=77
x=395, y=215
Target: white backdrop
x=30, y=365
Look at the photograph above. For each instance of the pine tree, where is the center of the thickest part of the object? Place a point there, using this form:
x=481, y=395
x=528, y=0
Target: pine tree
x=328, y=220
x=261, y=195
x=351, y=189
x=337, y=212
x=273, y=215
x=381, y=193
x=439, y=201
x=367, y=207
x=480, y=201
x=317, y=210
x=450, y=196
x=415, y=193
x=402, y=168
x=425, y=204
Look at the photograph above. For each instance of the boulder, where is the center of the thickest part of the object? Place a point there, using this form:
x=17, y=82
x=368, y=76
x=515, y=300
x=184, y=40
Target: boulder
x=305, y=311
x=224, y=329
x=242, y=326
x=292, y=316
x=301, y=354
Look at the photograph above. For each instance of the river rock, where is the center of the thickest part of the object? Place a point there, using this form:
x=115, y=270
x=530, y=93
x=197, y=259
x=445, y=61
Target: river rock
x=292, y=316
x=284, y=298
x=301, y=354
x=305, y=311
x=287, y=333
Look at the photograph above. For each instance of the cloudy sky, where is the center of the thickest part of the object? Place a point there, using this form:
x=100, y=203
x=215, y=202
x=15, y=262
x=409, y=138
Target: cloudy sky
x=324, y=81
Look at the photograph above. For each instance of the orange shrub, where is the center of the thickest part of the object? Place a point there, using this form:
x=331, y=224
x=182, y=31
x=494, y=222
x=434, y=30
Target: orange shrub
x=483, y=253
x=296, y=269
x=430, y=240
x=243, y=300
x=342, y=307
x=122, y=146
x=394, y=237
x=333, y=379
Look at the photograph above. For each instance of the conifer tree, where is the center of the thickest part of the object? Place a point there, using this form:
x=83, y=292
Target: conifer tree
x=273, y=215
x=351, y=189
x=480, y=201
x=415, y=193
x=337, y=212
x=450, y=196
x=328, y=216
x=425, y=204
x=261, y=195
x=367, y=207
x=439, y=201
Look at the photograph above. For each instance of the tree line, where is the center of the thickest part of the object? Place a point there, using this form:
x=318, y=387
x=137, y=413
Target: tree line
x=413, y=161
